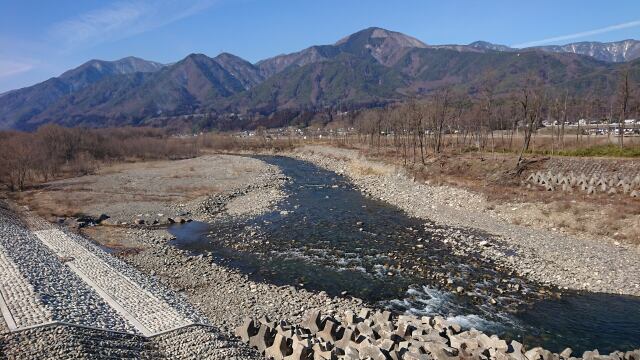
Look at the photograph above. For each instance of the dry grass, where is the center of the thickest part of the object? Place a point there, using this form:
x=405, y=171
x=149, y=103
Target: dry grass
x=367, y=168
x=114, y=238
x=596, y=215
x=47, y=204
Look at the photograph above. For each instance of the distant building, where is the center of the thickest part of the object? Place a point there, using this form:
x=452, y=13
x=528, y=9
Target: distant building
x=630, y=122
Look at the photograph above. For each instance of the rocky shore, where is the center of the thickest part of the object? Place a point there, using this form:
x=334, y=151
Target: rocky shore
x=260, y=195
x=550, y=257
x=223, y=294
x=226, y=297
x=380, y=336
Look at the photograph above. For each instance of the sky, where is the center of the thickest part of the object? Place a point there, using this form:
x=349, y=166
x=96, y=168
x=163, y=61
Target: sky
x=42, y=39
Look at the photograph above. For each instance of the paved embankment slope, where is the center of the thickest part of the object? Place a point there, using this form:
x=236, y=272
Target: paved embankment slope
x=64, y=297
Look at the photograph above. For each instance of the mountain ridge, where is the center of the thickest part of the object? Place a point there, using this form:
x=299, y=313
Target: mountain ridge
x=371, y=66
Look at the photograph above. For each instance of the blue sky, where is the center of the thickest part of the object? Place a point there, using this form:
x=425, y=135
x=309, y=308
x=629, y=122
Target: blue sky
x=41, y=39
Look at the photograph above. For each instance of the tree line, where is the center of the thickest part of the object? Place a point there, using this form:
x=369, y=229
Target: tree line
x=413, y=130
x=487, y=122
x=54, y=151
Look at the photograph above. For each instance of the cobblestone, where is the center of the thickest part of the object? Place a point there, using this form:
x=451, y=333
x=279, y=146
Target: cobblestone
x=152, y=313
x=22, y=302
x=61, y=292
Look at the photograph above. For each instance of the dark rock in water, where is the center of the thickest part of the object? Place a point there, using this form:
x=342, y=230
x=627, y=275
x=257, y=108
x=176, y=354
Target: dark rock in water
x=87, y=220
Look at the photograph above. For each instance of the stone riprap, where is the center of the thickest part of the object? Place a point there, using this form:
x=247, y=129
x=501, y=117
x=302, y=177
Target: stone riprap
x=22, y=306
x=149, y=284
x=198, y=342
x=593, y=166
x=150, y=314
x=178, y=302
x=70, y=342
x=379, y=336
x=58, y=290
x=65, y=298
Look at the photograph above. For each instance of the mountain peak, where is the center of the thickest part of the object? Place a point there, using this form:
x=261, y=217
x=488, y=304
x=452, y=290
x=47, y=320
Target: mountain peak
x=384, y=45
x=196, y=56
x=616, y=51
x=485, y=45
x=94, y=70
x=225, y=56
x=377, y=33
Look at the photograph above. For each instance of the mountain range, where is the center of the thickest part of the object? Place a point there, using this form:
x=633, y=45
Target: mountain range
x=371, y=67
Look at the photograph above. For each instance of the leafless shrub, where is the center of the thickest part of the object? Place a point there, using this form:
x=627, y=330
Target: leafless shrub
x=53, y=151
x=260, y=142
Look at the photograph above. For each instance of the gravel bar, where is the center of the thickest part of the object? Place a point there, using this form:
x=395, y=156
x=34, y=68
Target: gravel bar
x=570, y=262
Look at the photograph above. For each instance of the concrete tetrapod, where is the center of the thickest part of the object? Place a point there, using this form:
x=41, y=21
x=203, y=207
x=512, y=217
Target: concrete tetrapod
x=378, y=335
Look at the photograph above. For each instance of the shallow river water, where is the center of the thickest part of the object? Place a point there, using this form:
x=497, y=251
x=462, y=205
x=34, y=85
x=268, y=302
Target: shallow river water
x=327, y=236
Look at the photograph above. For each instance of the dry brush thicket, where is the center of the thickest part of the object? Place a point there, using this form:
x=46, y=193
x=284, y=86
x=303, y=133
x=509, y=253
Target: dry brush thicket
x=513, y=123
x=54, y=151
x=446, y=120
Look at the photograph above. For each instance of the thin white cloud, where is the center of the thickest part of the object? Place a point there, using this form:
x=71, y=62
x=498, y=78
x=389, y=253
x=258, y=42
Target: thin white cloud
x=556, y=39
x=12, y=67
x=105, y=21
x=123, y=19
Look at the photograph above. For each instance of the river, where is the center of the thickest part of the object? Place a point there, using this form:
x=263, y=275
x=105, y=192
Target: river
x=327, y=236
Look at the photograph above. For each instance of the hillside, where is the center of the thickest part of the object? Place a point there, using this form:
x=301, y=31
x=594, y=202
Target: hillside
x=21, y=105
x=370, y=67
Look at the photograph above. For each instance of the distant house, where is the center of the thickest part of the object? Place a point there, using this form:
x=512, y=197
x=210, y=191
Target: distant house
x=583, y=122
x=630, y=122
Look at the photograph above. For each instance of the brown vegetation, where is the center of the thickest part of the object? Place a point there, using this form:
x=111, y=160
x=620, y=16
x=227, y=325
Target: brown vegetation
x=53, y=151
x=261, y=142
x=450, y=121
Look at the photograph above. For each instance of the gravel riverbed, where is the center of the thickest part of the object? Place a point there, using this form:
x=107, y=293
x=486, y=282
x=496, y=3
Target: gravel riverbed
x=579, y=263
x=226, y=296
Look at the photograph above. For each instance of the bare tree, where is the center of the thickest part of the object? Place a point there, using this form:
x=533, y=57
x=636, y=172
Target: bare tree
x=16, y=161
x=440, y=116
x=531, y=102
x=623, y=95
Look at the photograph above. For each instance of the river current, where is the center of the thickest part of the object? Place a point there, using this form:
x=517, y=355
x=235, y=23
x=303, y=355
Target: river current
x=327, y=236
